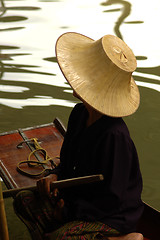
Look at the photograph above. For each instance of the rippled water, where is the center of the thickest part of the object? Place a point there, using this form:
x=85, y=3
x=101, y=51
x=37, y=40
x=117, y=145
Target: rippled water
x=33, y=90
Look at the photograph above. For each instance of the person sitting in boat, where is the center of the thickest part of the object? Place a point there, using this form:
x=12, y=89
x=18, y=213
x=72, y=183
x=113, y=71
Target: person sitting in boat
x=97, y=141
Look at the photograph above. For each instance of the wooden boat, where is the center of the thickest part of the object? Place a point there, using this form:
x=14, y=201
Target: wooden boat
x=16, y=146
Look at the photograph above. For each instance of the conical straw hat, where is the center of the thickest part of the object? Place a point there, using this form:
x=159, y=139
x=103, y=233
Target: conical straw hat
x=100, y=72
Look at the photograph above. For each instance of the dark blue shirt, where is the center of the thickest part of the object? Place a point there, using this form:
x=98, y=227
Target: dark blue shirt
x=105, y=148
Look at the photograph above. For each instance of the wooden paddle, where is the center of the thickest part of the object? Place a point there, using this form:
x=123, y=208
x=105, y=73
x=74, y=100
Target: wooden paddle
x=4, y=235
x=58, y=184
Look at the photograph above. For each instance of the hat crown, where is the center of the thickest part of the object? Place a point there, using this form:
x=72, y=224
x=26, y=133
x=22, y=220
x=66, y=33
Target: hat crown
x=119, y=53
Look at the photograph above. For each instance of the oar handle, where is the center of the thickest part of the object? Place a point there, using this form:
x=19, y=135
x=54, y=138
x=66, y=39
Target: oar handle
x=4, y=235
x=58, y=184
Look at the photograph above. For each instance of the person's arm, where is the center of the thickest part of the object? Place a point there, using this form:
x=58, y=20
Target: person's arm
x=43, y=186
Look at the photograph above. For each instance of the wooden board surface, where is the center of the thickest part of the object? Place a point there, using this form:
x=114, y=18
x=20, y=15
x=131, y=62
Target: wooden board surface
x=49, y=138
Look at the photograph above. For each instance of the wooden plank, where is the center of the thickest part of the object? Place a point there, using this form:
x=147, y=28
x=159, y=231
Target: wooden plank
x=10, y=156
x=50, y=139
x=59, y=184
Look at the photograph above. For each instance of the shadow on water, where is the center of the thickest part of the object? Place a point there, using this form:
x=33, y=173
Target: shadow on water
x=125, y=12
x=12, y=19
x=21, y=103
x=23, y=112
x=18, y=68
x=19, y=109
x=12, y=67
x=15, y=68
x=150, y=71
x=3, y=8
x=7, y=19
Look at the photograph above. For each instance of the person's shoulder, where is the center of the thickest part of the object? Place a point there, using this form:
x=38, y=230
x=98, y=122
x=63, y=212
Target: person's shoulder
x=78, y=108
x=75, y=113
x=116, y=126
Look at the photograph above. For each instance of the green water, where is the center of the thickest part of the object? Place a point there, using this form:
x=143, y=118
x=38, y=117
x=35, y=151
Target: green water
x=33, y=90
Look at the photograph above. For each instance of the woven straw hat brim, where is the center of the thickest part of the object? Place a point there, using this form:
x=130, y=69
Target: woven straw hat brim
x=100, y=72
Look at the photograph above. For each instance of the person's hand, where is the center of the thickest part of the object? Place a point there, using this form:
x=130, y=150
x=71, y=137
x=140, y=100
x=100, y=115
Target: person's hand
x=44, y=186
x=58, y=211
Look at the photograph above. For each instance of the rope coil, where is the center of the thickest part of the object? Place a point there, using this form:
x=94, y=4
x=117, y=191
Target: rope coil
x=35, y=163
